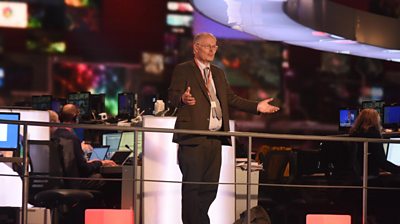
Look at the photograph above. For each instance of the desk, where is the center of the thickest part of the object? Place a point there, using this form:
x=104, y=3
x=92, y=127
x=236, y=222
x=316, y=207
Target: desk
x=241, y=190
x=126, y=173
x=10, y=187
x=111, y=171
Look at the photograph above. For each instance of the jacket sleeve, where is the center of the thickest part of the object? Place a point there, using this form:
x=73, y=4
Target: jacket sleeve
x=85, y=169
x=177, y=87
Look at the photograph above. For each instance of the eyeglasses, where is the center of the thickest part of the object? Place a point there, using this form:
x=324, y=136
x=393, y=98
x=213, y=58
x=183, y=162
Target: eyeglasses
x=209, y=47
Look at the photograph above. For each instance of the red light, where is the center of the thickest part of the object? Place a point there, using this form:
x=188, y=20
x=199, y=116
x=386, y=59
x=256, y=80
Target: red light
x=328, y=219
x=106, y=216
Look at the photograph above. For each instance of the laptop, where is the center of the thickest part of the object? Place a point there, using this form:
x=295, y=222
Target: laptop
x=99, y=153
x=393, y=152
x=120, y=157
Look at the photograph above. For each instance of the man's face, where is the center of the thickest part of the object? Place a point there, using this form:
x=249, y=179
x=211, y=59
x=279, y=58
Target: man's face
x=205, y=48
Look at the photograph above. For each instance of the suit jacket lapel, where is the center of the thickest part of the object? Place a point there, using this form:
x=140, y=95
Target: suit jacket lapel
x=200, y=80
x=217, y=83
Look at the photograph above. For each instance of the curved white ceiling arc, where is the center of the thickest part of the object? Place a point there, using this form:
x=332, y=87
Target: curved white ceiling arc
x=267, y=20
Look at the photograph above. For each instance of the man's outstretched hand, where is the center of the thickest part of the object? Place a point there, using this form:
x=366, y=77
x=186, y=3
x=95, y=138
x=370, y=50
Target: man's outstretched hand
x=266, y=108
x=187, y=97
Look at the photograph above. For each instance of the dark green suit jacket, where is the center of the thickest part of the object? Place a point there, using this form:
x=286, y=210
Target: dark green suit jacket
x=197, y=117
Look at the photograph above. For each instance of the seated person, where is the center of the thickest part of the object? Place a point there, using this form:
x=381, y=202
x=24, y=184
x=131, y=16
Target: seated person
x=383, y=204
x=368, y=125
x=53, y=119
x=86, y=168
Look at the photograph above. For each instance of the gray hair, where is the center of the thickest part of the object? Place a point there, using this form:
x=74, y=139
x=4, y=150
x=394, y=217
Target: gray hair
x=198, y=36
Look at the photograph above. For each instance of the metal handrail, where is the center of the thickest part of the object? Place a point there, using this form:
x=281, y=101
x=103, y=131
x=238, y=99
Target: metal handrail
x=203, y=132
x=249, y=135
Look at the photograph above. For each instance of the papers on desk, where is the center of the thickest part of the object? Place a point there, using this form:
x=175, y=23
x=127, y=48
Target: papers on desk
x=242, y=164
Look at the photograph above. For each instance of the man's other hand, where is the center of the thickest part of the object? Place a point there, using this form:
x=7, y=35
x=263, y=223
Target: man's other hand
x=187, y=97
x=266, y=108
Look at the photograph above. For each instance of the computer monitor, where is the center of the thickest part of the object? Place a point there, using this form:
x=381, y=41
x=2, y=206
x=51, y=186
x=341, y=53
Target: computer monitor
x=82, y=101
x=39, y=155
x=127, y=139
x=9, y=133
x=126, y=104
x=377, y=105
x=97, y=103
x=347, y=116
x=147, y=103
x=57, y=104
x=393, y=152
x=42, y=102
x=391, y=116
x=111, y=139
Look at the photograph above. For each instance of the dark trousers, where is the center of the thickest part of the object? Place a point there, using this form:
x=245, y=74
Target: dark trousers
x=200, y=163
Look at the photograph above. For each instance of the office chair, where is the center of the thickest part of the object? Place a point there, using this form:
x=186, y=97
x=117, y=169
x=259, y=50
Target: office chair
x=339, y=160
x=70, y=169
x=44, y=190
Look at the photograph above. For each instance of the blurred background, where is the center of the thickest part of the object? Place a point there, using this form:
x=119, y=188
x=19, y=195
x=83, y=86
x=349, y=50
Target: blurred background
x=55, y=47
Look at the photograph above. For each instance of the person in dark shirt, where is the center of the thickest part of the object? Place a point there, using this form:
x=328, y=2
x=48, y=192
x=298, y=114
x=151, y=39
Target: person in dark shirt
x=69, y=115
x=384, y=204
x=105, y=194
x=368, y=125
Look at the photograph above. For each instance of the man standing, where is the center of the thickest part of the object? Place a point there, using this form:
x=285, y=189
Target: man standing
x=203, y=96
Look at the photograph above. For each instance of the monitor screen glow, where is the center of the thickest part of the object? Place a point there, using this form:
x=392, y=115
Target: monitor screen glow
x=126, y=103
x=179, y=20
x=9, y=133
x=97, y=103
x=393, y=152
x=391, y=115
x=82, y=101
x=57, y=104
x=111, y=139
x=13, y=14
x=377, y=105
x=42, y=102
x=127, y=138
x=347, y=117
x=179, y=6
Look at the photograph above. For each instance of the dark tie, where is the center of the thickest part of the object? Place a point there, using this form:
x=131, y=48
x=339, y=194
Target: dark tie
x=216, y=111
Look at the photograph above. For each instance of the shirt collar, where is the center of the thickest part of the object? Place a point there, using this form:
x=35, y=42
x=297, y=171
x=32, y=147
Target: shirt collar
x=201, y=65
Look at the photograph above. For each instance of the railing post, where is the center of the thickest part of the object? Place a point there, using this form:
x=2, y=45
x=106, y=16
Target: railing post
x=25, y=179
x=135, y=161
x=365, y=184
x=248, y=200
